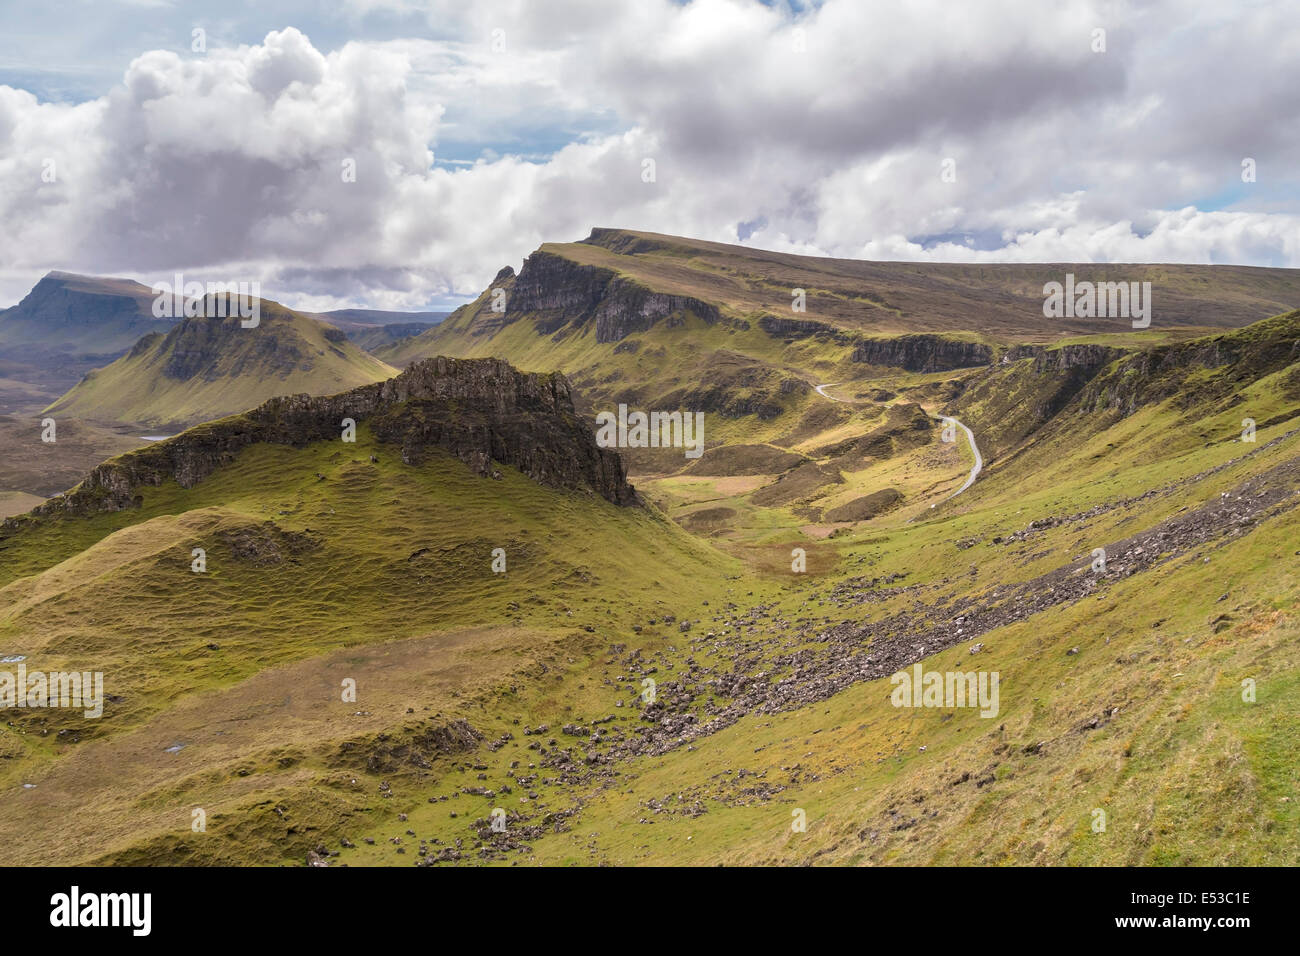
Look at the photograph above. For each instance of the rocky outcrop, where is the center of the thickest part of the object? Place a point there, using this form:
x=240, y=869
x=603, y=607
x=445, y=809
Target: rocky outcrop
x=558, y=292
x=1235, y=359
x=922, y=352
x=1088, y=357
x=482, y=411
x=797, y=328
x=416, y=747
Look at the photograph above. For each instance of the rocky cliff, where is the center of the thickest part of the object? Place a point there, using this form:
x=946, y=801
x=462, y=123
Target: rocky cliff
x=1232, y=359
x=559, y=292
x=1087, y=357
x=798, y=328
x=922, y=352
x=482, y=411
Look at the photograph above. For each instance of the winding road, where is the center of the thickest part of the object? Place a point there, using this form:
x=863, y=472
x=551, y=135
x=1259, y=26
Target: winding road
x=970, y=437
x=979, y=459
x=824, y=395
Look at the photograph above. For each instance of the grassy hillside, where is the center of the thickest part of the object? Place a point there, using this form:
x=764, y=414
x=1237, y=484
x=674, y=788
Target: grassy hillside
x=205, y=368
x=322, y=564
x=1121, y=689
x=660, y=322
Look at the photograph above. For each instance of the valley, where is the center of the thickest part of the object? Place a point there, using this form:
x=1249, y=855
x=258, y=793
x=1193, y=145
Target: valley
x=681, y=659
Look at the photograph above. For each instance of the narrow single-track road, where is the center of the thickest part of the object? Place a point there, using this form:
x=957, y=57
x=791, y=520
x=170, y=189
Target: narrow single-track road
x=970, y=437
x=979, y=459
x=822, y=393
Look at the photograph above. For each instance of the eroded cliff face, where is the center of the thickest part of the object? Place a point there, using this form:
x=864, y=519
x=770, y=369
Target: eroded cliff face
x=560, y=293
x=1233, y=359
x=1087, y=357
x=799, y=328
x=483, y=411
x=922, y=352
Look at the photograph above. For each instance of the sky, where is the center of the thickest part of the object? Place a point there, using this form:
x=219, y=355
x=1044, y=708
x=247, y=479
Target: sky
x=395, y=154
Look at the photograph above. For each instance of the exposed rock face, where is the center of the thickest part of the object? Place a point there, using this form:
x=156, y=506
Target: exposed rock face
x=266, y=544
x=415, y=747
x=559, y=292
x=922, y=353
x=1089, y=357
x=192, y=349
x=480, y=410
x=1235, y=359
x=797, y=328
x=81, y=314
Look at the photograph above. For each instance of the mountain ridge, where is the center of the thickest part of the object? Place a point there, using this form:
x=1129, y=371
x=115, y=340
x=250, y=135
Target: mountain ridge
x=207, y=367
x=481, y=411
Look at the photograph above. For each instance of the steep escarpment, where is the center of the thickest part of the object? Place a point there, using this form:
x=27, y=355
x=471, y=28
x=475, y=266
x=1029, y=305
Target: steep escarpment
x=65, y=327
x=798, y=328
x=81, y=314
x=1083, y=388
x=922, y=353
x=1199, y=371
x=559, y=292
x=482, y=411
x=1088, y=357
x=1029, y=386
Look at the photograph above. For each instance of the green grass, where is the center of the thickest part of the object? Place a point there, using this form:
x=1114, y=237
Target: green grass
x=403, y=553
x=396, y=592
x=286, y=354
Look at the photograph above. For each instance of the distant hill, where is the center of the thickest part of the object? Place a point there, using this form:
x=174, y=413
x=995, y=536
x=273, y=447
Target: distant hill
x=81, y=315
x=205, y=368
x=375, y=328
x=667, y=322
x=618, y=283
x=361, y=319
x=67, y=325
x=383, y=336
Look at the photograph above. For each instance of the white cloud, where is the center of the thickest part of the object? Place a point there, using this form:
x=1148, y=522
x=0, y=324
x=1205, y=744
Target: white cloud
x=230, y=163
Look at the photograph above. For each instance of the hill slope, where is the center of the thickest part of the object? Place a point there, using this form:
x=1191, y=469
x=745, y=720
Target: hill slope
x=660, y=322
x=81, y=315
x=623, y=686
x=326, y=559
x=205, y=368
